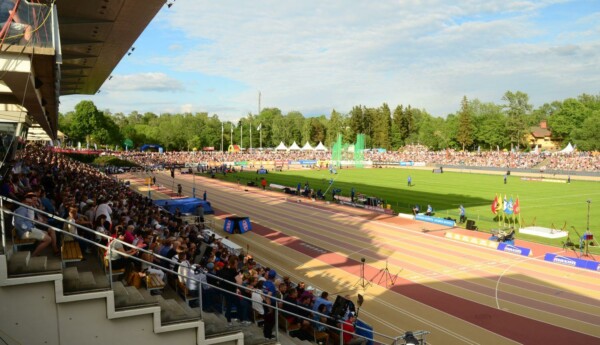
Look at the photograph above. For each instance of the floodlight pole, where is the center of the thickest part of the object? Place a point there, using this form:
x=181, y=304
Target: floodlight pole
x=589, y=202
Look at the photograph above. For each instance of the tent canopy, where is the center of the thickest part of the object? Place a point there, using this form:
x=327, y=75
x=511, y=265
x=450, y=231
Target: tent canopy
x=307, y=147
x=151, y=146
x=567, y=149
x=294, y=147
x=185, y=205
x=320, y=147
x=281, y=147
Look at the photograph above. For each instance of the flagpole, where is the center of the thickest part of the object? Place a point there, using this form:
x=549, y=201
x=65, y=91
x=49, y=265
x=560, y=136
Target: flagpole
x=231, y=136
x=250, y=136
x=222, y=132
x=241, y=135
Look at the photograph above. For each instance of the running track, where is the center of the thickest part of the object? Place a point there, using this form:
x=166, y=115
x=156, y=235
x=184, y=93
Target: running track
x=462, y=293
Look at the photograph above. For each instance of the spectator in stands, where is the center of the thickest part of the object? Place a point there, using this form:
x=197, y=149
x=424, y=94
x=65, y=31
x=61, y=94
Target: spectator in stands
x=18, y=31
x=257, y=299
x=323, y=299
x=26, y=229
x=348, y=327
x=229, y=274
x=118, y=253
x=322, y=320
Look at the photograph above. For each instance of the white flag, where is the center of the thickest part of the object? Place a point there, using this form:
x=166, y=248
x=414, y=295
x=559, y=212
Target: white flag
x=259, y=127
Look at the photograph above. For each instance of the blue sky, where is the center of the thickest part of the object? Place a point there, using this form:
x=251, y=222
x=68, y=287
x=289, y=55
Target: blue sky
x=315, y=56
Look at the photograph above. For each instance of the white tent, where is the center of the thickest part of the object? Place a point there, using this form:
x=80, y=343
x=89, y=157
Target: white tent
x=281, y=147
x=307, y=147
x=320, y=147
x=294, y=147
x=567, y=149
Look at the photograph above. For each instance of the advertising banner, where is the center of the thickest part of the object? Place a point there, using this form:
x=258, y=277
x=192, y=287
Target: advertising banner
x=573, y=262
x=435, y=220
x=505, y=247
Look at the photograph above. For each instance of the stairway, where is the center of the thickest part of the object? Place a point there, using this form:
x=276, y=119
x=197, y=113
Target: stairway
x=73, y=294
x=22, y=263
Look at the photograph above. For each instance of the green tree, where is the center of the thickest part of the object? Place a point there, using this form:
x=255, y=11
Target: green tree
x=570, y=116
x=466, y=126
x=517, y=109
x=85, y=120
x=587, y=137
x=335, y=126
x=381, y=126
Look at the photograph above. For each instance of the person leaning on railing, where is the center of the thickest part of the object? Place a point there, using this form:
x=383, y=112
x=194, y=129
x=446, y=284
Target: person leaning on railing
x=25, y=228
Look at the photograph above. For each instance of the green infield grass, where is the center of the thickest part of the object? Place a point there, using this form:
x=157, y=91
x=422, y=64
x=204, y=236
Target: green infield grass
x=552, y=205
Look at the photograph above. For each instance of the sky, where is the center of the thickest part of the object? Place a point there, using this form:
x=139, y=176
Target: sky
x=316, y=56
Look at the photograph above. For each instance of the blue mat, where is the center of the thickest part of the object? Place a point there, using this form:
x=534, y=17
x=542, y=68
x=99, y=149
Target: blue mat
x=185, y=205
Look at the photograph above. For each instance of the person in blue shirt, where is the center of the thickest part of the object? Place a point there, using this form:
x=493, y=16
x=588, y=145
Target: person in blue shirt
x=409, y=181
x=463, y=217
x=323, y=300
x=298, y=187
x=26, y=229
x=204, y=196
x=352, y=192
x=429, y=210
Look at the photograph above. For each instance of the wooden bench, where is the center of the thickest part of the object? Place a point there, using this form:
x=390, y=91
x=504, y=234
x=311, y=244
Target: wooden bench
x=70, y=251
x=18, y=242
x=115, y=273
x=153, y=282
x=285, y=325
x=185, y=293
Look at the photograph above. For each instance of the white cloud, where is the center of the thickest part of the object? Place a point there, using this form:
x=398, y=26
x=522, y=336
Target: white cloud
x=143, y=82
x=315, y=56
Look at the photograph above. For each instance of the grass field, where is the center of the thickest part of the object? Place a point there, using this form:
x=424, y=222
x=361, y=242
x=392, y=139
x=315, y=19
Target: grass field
x=542, y=203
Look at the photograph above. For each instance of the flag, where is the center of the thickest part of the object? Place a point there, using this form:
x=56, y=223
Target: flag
x=517, y=207
x=259, y=127
x=508, y=208
x=495, y=205
x=222, y=128
x=95, y=146
x=500, y=204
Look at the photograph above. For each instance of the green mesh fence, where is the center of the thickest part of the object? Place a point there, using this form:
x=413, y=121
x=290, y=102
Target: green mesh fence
x=359, y=148
x=336, y=152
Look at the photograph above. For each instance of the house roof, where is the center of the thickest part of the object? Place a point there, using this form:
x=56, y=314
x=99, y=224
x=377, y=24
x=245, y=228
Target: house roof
x=539, y=132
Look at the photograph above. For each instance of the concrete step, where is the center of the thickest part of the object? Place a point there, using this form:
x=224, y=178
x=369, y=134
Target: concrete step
x=19, y=261
x=37, y=264
x=121, y=295
x=70, y=273
x=87, y=281
x=134, y=295
x=190, y=312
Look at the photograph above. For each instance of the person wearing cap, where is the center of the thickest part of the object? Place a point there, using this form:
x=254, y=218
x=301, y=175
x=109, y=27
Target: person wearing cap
x=270, y=290
x=349, y=330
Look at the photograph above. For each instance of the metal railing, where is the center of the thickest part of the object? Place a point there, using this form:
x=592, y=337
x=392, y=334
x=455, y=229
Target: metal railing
x=201, y=285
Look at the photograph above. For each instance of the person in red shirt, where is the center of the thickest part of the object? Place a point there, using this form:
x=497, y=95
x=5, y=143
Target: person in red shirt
x=348, y=327
x=263, y=183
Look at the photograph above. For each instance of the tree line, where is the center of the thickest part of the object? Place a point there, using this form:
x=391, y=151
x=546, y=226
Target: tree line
x=474, y=125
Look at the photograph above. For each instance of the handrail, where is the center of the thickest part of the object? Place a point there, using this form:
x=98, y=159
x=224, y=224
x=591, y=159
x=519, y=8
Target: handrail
x=200, y=283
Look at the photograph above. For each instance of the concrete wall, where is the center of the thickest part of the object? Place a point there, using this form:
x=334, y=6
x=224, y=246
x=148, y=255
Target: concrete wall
x=29, y=314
